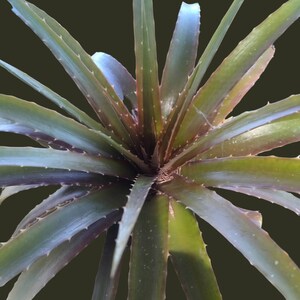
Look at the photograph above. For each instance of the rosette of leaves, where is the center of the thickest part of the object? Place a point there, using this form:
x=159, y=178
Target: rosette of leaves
x=151, y=161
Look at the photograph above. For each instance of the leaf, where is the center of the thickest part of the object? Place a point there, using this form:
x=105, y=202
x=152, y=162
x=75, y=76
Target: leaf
x=105, y=287
x=18, y=175
x=284, y=199
x=252, y=241
x=175, y=119
x=241, y=88
x=29, y=118
x=240, y=125
x=150, y=120
x=12, y=190
x=20, y=252
x=189, y=256
x=61, y=102
x=181, y=56
x=61, y=197
x=118, y=77
x=135, y=202
x=203, y=108
x=90, y=80
x=149, y=251
x=33, y=279
x=269, y=136
x=258, y=172
x=57, y=159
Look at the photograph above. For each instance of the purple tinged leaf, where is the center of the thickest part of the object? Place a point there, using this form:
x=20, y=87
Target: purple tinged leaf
x=135, y=202
x=257, y=171
x=33, y=279
x=40, y=239
x=181, y=56
x=252, y=241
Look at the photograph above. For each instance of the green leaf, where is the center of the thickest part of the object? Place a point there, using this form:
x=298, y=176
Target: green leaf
x=252, y=241
x=38, y=240
x=175, y=119
x=18, y=175
x=286, y=200
x=189, y=256
x=181, y=56
x=258, y=172
x=237, y=93
x=241, y=125
x=135, y=202
x=57, y=159
x=105, y=287
x=61, y=102
x=15, y=189
x=149, y=251
x=118, y=77
x=37, y=121
x=204, y=107
x=150, y=120
x=33, y=279
x=90, y=80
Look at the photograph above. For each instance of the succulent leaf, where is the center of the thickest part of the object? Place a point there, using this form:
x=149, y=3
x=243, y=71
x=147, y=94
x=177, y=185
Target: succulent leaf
x=21, y=251
x=15, y=189
x=189, y=256
x=252, y=241
x=149, y=251
x=181, y=56
x=34, y=278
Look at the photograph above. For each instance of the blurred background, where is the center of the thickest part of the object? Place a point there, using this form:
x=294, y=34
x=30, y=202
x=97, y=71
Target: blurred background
x=106, y=26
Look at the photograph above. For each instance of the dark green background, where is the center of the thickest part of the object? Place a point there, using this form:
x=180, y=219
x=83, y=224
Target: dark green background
x=106, y=25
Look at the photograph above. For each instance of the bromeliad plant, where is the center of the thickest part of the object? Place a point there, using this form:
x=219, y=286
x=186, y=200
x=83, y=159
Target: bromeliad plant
x=156, y=149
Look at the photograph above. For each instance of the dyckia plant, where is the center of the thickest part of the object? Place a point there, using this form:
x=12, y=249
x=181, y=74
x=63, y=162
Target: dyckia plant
x=157, y=155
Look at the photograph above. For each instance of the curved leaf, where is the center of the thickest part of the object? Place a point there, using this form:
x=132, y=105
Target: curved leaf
x=240, y=125
x=259, y=172
x=181, y=55
x=189, y=256
x=286, y=200
x=118, y=77
x=149, y=251
x=29, y=118
x=90, y=80
x=18, y=175
x=252, y=241
x=204, y=107
x=38, y=240
x=105, y=287
x=57, y=159
x=15, y=189
x=33, y=279
x=150, y=120
x=135, y=202
x=61, y=102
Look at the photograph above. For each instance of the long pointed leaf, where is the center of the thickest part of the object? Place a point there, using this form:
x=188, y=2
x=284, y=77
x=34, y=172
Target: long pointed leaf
x=189, y=256
x=118, y=77
x=63, y=103
x=181, y=55
x=252, y=241
x=15, y=189
x=93, y=84
x=204, y=107
x=149, y=252
x=33, y=279
x=150, y=122
x=29, y=118
x=261, y=172
x=57, y=159
x=286, y=200
x=38, y=240
x=241, y=125
x=105, y=287
x=131, y=213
